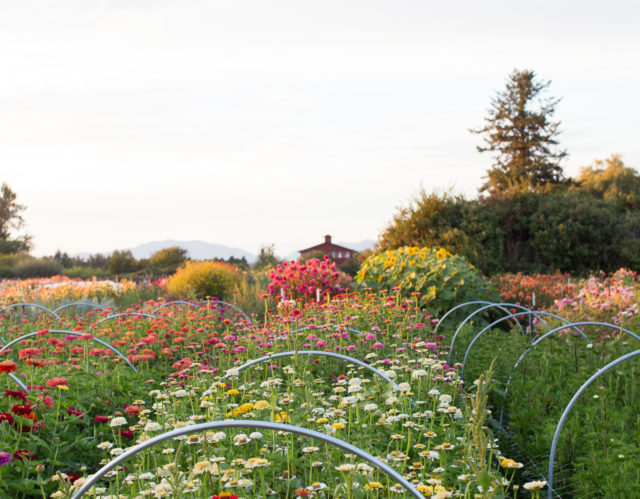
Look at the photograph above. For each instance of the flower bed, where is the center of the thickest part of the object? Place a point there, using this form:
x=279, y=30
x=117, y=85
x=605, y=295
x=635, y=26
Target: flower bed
x=85, y=406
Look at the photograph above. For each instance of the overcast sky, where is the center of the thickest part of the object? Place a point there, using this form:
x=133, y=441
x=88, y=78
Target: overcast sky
x=245, y=123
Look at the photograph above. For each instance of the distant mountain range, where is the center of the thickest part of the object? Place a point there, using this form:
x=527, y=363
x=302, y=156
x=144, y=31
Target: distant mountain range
x=201, y=250
x=197, y=250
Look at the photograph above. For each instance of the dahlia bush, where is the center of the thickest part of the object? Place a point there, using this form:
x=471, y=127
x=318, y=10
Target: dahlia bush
x=314, y=277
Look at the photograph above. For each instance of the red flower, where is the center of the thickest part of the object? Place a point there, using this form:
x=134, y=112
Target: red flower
x=72, y=477
x=225, y=495
x=7, y=366
x=101, y=419
x=22, y=454
x=16, y=394
x=125, y=433
x=133, y=410
x=72, y=412
x=5, y=416
x=29, y=352
x=48, y=403
x=55, y=381
x=22, y=410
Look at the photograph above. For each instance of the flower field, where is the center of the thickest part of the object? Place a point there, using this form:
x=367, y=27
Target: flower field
x=57, y=289
x=85, y=405
x=370, y=369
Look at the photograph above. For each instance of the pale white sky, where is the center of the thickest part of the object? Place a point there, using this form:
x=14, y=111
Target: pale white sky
x=251, y=122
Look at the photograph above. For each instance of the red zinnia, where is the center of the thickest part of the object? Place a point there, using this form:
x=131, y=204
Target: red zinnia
x=22, y=454
x=29, y=352
x=8, y=366
x=5, y=416
x=48, y=402
x=22, y=410
x=128, y=433
x=72, y=412
x=16, y=394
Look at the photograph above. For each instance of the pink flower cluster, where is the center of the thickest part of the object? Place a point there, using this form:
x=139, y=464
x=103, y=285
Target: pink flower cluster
x=303, y=279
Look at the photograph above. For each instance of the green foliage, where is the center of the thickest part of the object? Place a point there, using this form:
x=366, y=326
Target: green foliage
x=611, y=179
x=267, y=258
x=167, y=260
x=122, y=262
x=199, y=280
x=440, y=279
x=84, y=272
x=522, y=136
x=310, y=255
x=36, y=267
x=351, y=266
x=8, y=262
x=466, y=227
x=10, y=220
x=569, y=230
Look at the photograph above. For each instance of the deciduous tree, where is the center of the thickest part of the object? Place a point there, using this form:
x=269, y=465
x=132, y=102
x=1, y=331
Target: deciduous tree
x=11, y=220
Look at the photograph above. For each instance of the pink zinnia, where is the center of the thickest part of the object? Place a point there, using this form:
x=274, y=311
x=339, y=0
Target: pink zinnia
x=56, y=381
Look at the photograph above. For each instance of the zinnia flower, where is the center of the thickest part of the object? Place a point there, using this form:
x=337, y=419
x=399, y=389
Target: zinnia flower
x=5, y=457
x=7, y=366
x=56, y=381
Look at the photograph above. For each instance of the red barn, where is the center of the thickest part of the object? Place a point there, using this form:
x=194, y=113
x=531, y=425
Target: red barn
x=338, y=254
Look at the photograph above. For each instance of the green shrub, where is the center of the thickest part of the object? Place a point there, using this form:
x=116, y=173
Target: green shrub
x=36, y=267
x=8, y=262
x=533, y=232
x=202, y=279
x=84, y=272
x=440, y=279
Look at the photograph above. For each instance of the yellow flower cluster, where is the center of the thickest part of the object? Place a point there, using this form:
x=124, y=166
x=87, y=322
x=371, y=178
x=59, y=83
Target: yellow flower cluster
x=204, y=279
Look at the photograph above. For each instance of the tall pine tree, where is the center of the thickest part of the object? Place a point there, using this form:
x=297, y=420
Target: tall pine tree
x=520, y=131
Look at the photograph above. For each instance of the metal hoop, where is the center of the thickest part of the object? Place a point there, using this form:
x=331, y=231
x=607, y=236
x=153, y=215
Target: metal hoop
x=556, y=435
x=123, y=314
x=320, y=328
x=292, y=353
x=28, y=304
x=195, y=304
x=482, y=309
x=266, y=425
x=465, y=304
x=546, y=335
x=73, y=333
x=494, y=323
x=80, y=304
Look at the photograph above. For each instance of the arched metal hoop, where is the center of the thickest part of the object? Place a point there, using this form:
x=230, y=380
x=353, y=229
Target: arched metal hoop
x=567, y=410
x=72, y=333
x=482, y=309
x=199, y=303
x=321, y=328
x=502, y=319
x=265, y=425
x=80, y=304
x=124, y=314
x=466, y=304
x=177, y=302
x=14, y=377
x=346, y=358
x=34, y=305
x=550, y=333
